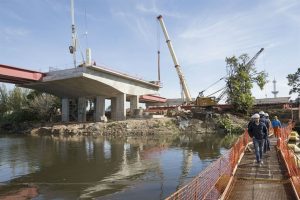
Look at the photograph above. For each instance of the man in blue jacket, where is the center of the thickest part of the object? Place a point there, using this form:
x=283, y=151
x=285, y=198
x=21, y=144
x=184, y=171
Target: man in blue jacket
x=258, y=131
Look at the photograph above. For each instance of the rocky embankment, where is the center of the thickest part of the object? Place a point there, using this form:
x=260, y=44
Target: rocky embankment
x=138, y=127
x=131, y=127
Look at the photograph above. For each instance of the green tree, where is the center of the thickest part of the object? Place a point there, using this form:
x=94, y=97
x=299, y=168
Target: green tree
x=294, y=82
x=44, y=105
x=17, y=99
x=3, y=100
x=19, y=105
x=241, y=76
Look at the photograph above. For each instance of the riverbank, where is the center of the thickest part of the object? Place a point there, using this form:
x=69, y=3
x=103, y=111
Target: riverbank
x=136, y=127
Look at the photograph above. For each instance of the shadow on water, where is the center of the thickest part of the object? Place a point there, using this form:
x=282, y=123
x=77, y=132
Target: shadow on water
x=84, y=167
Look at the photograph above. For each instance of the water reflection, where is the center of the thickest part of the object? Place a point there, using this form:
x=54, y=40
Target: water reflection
x=84, y=167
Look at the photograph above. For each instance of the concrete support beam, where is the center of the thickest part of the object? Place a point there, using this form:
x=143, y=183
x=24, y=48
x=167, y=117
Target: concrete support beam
x=118, y=107
x=121, y=107
x=65, y=110
x=113, y=107
x=100, y=108
x=81, y=109
x=134, y=102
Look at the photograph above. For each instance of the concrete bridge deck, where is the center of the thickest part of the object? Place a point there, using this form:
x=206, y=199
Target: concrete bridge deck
x=266, y=181
x=86, y=82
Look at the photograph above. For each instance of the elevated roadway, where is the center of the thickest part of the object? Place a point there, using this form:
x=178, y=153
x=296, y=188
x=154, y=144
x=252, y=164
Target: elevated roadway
x=86, y=82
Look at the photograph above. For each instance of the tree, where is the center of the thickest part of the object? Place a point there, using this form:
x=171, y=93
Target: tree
x=44, y=105
x=3, y=100
x=17, y=99
x=294, y=82
x=241, y=76
x=19, y=105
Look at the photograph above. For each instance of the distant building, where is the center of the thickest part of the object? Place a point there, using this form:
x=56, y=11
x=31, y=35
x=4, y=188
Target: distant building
x=277, y=100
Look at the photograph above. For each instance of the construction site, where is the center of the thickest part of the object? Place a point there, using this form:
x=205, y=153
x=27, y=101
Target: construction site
x=105, y=134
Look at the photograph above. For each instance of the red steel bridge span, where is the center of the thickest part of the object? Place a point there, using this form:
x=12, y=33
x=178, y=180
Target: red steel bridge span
x=10, y=74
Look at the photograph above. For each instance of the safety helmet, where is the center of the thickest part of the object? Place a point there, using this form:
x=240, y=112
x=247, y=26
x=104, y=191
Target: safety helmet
x=261, y=113
x=255, y=116
x=266, y=114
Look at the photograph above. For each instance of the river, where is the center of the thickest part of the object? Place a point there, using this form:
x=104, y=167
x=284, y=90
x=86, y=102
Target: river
x=102, y=168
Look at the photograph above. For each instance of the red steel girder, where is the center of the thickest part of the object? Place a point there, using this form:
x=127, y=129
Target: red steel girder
x=152, y=98
x=10, y=74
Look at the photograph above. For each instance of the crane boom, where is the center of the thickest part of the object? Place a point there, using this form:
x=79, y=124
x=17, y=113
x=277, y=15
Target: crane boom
x=254, y=57
x=183, y=84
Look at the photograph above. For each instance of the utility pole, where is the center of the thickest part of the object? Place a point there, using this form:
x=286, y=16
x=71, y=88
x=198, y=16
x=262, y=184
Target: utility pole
x=72, y=48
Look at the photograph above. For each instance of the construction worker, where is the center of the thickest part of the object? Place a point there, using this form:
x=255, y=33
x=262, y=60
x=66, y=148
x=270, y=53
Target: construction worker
x=267, y=141
x=263, y=119
x=268, y=121
x=276, y=127
x=258, y=132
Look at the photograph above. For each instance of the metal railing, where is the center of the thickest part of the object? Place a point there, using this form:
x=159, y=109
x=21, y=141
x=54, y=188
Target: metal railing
x=290, y=159
x=211, y=183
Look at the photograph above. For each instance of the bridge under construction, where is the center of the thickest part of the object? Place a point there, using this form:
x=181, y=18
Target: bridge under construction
x=86, y=82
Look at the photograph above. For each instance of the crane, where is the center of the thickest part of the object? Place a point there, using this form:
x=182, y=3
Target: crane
x=182, y=81
x=254, y=57
x=211, y=101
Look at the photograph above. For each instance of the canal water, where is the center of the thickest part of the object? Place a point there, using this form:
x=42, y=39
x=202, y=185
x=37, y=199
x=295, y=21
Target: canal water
x=101, y=168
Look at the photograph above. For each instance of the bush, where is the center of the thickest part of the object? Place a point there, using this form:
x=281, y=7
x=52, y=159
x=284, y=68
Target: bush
x=21, y=105
x=224, y=122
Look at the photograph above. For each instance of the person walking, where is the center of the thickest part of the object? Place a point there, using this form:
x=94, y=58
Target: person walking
x=267, y=141
x=268, y=122
x=263, y=119
x=276, y=124
x=258, y=131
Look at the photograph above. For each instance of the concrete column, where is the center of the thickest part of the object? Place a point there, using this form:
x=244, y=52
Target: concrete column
x=65, y=110
x=81, y=109
x=100, y=108
x=113, y=107
x=121, y=107
x=134, y=102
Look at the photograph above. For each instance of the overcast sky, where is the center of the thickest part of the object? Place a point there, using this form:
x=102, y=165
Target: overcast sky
x=124, y=35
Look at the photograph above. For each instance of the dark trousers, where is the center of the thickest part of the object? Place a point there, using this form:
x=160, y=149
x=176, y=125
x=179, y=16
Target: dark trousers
x=258, y=146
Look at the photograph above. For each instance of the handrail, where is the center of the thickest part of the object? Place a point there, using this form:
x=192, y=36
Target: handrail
x=291, y=161
x=211, y=182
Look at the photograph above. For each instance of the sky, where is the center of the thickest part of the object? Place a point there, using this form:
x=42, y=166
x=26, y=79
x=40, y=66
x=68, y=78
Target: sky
x=125, y=36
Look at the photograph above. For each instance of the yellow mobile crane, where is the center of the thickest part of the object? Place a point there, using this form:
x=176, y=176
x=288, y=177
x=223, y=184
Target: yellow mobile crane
x=187, y=96
x=200, y=100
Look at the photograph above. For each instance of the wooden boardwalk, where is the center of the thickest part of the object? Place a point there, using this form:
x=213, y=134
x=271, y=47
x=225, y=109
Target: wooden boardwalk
x=261, y=181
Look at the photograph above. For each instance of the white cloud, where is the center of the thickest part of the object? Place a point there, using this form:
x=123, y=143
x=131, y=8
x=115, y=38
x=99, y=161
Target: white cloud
x=218, y=36
x=12, y=33
x=154, y=10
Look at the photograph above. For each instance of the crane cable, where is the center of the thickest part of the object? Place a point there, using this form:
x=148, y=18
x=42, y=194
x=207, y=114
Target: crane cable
x=217, y=91
x=212, y=85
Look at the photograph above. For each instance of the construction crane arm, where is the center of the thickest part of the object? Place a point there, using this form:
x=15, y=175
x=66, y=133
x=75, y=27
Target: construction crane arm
x=254, y=57
x=177, y=66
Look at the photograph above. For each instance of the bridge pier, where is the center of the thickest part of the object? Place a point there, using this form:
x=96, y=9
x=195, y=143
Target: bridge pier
x=65, y=110
x=134, y=102
x=81, y=109
x=99, y=108
x=118, y=108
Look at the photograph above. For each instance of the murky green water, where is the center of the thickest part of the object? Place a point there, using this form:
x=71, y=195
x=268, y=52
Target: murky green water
x=99, y=168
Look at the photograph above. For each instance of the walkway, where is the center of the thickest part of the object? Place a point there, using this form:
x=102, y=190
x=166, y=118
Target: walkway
x=266, y=181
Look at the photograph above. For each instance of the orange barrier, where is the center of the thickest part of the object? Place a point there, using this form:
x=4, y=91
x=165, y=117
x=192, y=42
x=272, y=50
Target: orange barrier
x=291, y=161
x=211, y=183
